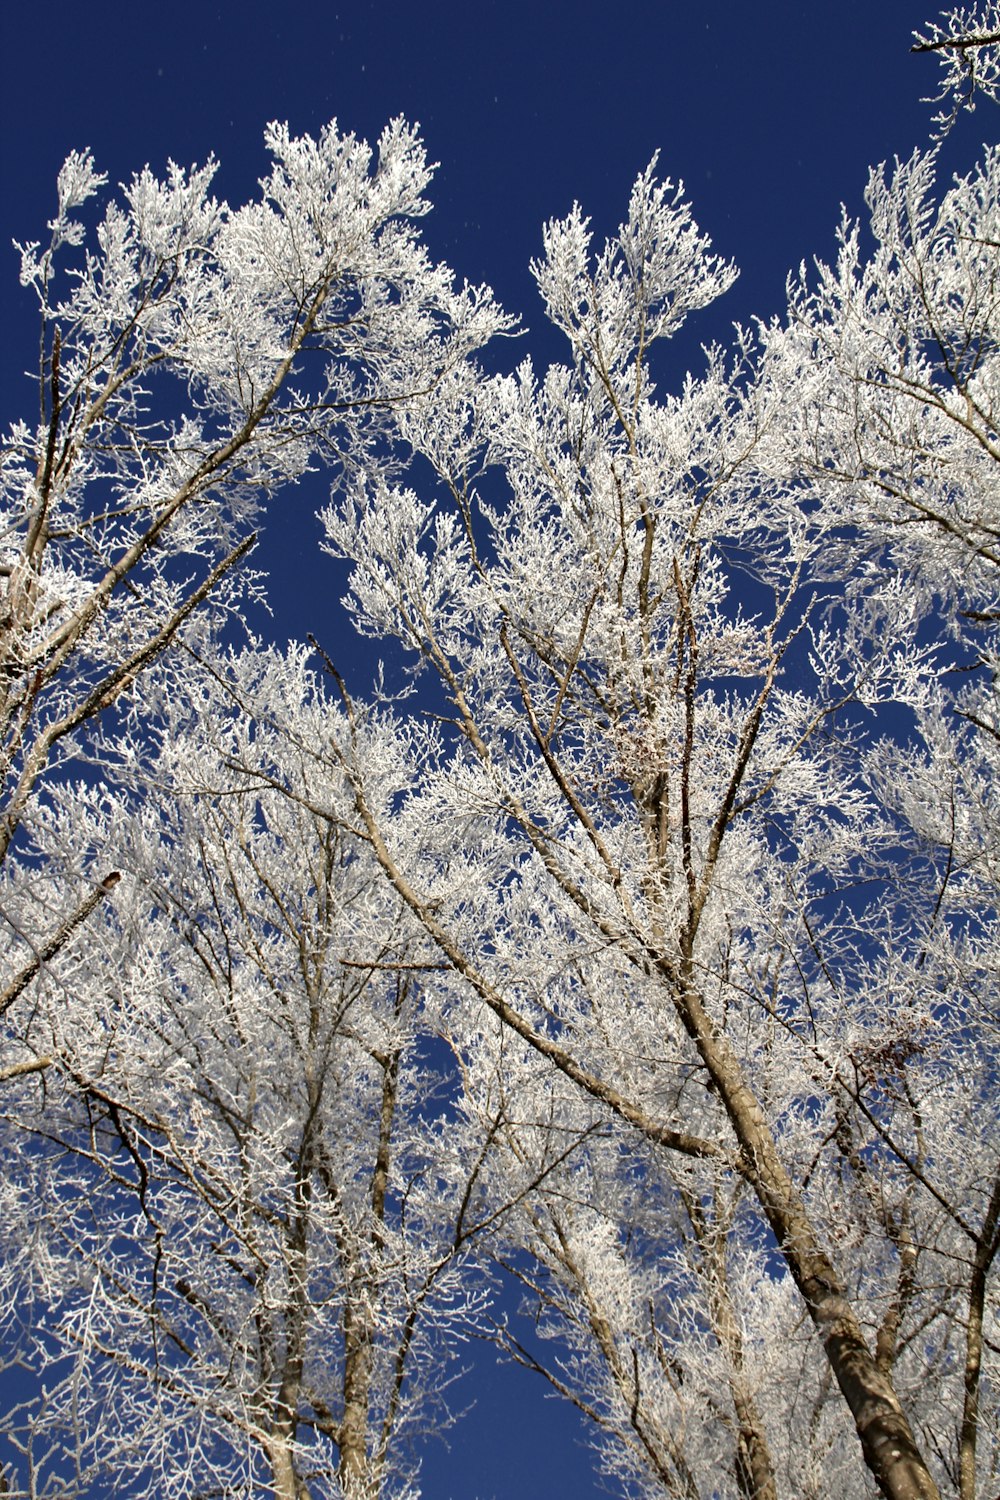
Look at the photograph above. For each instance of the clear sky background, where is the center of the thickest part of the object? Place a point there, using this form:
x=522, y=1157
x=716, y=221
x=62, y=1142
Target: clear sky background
x=771, y=113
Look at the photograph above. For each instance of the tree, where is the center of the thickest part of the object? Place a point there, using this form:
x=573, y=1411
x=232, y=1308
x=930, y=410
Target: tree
x=243, y=1212
x=193, y=363
x=710, y=714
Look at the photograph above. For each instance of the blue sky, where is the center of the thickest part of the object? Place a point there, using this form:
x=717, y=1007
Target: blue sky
x=770, y=113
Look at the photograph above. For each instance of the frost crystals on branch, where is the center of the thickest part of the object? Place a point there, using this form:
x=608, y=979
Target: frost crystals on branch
x=967, y=41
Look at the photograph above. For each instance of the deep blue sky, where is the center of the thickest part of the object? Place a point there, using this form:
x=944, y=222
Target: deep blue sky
x=770, y=113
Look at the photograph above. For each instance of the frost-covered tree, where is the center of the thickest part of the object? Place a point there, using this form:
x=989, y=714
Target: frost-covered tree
x=239, y=1202
x=746, y=898
x=194, y=361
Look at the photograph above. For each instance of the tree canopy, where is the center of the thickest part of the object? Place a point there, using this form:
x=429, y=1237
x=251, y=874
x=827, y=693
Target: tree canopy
x=641, y=944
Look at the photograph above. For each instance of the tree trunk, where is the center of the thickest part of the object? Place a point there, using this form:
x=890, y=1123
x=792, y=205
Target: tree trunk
x=968, y=1437
x=887, y=1441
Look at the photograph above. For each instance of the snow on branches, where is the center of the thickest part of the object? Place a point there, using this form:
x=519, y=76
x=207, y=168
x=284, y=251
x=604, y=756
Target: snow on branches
x=641, y=946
